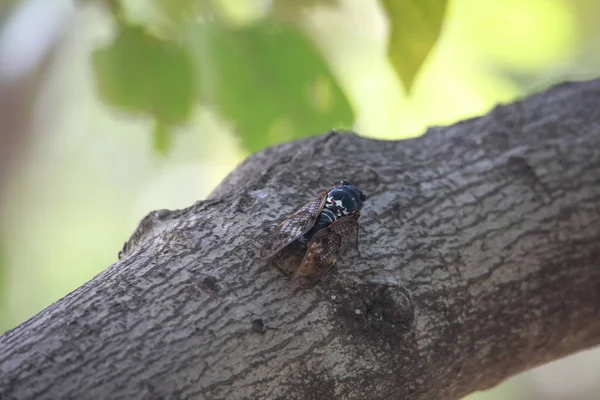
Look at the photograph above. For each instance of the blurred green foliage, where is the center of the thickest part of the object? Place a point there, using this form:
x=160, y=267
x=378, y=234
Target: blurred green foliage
x=415, y=27
x=271, y=81
x=2, y=277
x=264, y=76
x=139, y=74
x=4, y=290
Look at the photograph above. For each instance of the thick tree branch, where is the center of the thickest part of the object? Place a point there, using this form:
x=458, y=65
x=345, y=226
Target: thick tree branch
x=480, y=258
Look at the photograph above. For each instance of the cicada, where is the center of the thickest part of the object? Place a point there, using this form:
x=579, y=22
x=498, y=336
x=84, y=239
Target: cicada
x=326, y=224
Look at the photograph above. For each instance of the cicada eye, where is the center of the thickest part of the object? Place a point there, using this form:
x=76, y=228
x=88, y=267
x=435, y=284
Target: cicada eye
x=363, y=196
x=345, y=183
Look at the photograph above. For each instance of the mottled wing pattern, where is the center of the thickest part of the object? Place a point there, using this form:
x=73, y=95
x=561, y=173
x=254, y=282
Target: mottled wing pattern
x=294, y=227
x=327, y=246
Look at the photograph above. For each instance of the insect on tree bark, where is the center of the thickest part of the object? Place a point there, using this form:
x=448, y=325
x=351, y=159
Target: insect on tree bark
x=479, y=259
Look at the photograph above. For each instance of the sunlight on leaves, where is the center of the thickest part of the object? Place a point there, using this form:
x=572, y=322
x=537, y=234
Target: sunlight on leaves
x=415, y=26
x=268, y=80
x=292, y=10
x=244, y=12
x=523, y=47
x=143, y=75
x=176, y=10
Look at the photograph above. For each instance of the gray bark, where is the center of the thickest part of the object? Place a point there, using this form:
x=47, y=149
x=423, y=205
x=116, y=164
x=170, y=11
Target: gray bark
x=480, y=258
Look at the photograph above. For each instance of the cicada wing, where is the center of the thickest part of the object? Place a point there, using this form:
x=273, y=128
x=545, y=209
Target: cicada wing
x=327, y=246
x=294, y=227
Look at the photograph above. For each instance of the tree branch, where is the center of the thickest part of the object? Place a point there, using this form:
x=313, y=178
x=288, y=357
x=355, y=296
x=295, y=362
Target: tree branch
x=480, y=258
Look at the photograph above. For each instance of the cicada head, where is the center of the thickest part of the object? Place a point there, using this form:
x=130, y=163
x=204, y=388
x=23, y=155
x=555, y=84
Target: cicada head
x=348, y=196
x=357, y=192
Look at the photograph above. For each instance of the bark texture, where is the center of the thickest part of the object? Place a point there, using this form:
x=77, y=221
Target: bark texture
x=480, y=258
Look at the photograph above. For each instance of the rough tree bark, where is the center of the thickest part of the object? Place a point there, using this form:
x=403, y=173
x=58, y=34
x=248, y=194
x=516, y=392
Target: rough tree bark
x=480, y=249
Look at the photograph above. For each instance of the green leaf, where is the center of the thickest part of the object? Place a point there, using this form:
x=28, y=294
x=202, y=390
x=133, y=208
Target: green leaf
x=415, y=27
x=177, y=10
x=292, y=10
x=161, y=139
x=270, y=81
x=143, y=75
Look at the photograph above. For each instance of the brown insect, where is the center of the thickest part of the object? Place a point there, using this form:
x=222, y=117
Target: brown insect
x=326, y=224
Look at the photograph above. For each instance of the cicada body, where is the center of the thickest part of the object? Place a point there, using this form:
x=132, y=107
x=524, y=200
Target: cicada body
x=326, y=224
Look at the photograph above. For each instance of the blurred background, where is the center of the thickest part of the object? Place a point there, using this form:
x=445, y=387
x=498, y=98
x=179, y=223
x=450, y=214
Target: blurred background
x=112, y=108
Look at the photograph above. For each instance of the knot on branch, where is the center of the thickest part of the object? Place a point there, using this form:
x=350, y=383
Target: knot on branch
x=374, y=309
